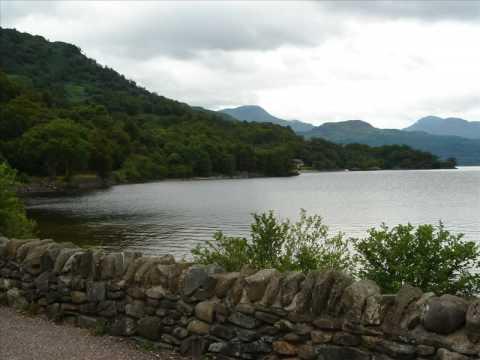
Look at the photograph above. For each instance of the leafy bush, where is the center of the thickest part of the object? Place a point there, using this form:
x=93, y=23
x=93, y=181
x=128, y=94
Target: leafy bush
x=310, y=246
x=428, y=257
x=13, y=221
x=230, y=252
x=301, y=246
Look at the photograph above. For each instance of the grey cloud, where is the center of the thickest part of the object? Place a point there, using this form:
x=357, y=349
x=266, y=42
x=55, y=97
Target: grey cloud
x=452, y=104
x=224, y=53
x=182, y=29
x=432, y=10
x=11, y=11
x=222, y=94
x=185, y=29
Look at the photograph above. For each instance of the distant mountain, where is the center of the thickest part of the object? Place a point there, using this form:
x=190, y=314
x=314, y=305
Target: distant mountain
x=224, y=116
x=253, y=113
x=466, y=151
x=344, y=131
x=447, y=126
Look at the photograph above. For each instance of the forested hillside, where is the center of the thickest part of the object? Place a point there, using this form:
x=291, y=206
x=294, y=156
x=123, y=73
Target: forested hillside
x=62, y=113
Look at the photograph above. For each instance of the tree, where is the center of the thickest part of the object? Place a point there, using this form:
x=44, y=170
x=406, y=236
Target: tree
x=59, y=144
x=202, y=165
x=428, y=257
x=275, y=161
x=226, y=164
x=101, y=160
x=8, y=90
x=140, y=168
x=245, y=158
x=18, y=115
x=13, y=220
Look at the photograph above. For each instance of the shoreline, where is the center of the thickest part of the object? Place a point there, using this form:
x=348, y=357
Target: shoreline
x=44, y=186
x=80, y=184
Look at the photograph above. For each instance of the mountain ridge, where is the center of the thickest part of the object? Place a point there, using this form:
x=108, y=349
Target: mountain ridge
x=255, y=113
x=453, y=126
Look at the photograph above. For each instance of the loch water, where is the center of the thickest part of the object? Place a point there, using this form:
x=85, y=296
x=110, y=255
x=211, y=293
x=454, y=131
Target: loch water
x=173, y=216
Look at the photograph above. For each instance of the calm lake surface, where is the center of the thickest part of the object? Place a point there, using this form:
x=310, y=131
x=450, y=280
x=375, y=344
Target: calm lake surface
x=174, y=216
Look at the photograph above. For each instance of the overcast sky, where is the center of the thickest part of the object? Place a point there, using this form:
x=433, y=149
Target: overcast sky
x=386, y=62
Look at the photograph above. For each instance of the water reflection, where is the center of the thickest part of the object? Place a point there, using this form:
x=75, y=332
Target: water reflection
x=174, y=216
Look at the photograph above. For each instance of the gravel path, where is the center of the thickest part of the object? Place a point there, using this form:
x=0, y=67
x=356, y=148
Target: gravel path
x=29, y=338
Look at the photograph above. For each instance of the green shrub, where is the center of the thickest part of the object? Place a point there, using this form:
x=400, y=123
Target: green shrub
x=229, y=252
x=301, y=246
x=309, y=246
x=13, y=220
x=428, y=257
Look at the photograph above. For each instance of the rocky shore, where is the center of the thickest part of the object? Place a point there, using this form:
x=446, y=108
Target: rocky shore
x=250, y=314
x=45, y=186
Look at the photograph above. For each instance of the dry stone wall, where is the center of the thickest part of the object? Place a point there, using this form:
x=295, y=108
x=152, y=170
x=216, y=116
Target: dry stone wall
x=241, y=315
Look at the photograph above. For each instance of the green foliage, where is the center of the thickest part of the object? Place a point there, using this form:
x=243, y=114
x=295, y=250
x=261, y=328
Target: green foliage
x=101, y=157
x=301, y=246
x=428, y=257
x=323, y=155
x=202, y=164
x=13, y=221
x=230, y=252
x=268, y=236
x=8, y=89
x=59, y=144
x=139, y=168
x=310, y=246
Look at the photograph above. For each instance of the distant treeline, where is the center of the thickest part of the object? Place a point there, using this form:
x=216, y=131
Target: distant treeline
x=61, y=113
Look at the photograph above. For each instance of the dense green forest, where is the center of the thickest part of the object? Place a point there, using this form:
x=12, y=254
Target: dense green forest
x=62, y=113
